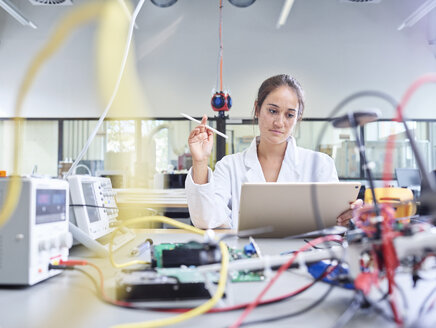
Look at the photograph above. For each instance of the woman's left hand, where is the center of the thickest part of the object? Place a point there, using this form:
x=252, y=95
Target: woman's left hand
x=345, y=217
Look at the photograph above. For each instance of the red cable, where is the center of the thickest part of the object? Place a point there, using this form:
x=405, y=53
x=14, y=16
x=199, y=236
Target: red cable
x=391, y=263
x=244, y=305
x=182, y=310
x=100, y=273
x=221, y=45
x=429, y=78
x=284, y=267
x=389, y=255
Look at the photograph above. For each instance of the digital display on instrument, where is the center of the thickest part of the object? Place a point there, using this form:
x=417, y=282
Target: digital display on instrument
x=90, y=198
x=43, y=199
x=50, y=205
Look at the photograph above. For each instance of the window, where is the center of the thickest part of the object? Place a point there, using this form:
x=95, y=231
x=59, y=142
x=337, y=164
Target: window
x=140, y=148
x=39, y=152
x=377, y=134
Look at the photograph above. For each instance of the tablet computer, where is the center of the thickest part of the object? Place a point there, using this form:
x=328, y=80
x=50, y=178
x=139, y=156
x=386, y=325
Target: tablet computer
x=288, y=207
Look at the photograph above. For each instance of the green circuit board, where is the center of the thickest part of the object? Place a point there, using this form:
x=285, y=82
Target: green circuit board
x=188, y=274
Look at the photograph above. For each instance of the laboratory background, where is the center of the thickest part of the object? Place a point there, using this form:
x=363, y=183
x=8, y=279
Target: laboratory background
x=91, y=96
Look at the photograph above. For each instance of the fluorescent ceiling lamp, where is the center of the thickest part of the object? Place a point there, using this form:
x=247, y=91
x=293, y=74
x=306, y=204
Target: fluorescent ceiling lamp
x=163, y=3
x=419, y=13
x=287, y=6
x=15, y=12
x=242, y=3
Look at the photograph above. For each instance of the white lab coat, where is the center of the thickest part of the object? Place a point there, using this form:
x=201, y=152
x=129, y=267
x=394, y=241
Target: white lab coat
x=216, y=203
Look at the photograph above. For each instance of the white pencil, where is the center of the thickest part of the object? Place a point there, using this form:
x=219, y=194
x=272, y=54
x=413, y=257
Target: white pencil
x=207, y=126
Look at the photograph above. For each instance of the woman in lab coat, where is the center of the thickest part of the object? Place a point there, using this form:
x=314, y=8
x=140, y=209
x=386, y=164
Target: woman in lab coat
x=213, y=198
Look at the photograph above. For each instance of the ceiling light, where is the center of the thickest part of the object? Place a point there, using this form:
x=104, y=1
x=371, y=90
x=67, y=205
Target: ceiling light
x=163, y=3
x=242, y=3
x=362, y=1
x=287, y=6
x=51, y=2
x=15, y=12
x=419, y=13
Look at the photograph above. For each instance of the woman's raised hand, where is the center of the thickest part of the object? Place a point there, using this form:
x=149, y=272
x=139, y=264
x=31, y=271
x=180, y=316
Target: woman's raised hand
x=200, y=143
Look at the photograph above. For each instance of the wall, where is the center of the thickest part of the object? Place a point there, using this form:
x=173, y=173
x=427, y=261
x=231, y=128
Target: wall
x=333, y=48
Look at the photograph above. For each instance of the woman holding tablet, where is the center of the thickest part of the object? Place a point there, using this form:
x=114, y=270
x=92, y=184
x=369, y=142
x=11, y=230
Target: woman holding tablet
x=213, y=198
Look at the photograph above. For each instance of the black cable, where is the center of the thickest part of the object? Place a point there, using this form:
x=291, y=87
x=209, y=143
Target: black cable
x=100, y=293
x=293, y=314
x=421, y=308
x=403, y=297
x=379, y=310
x=247, y=233
x=351, y=310
x=335, y=230
x=366, y=93
x=307, y=241
x=311, y=306
x=318, y=279
x=385, y=295
x=97, y=206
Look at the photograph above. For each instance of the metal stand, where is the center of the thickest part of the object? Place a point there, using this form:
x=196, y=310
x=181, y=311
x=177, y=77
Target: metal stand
x=221, y=142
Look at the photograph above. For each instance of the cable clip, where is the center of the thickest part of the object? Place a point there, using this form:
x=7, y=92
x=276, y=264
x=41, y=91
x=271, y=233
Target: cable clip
x=267, y=271
x=302, y=267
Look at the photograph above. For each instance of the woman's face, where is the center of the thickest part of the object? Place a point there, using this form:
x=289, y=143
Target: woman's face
x=278, y=115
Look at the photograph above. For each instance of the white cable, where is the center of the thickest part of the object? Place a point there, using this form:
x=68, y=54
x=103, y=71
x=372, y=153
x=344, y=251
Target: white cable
x=276, y=260
x=267, y=271
x=84, y=166
x=126, y=10
x=114, y=93
x=302, y=264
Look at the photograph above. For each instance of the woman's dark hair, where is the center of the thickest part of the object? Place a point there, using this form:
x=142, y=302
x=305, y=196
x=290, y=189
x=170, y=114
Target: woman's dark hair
x=273, y=83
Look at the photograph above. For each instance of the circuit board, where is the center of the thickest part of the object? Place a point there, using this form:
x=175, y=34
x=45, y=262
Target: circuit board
x=158, y=252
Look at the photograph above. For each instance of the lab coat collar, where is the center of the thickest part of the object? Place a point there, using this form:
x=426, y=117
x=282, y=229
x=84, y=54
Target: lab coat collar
x=254, y=170
x=288, y=170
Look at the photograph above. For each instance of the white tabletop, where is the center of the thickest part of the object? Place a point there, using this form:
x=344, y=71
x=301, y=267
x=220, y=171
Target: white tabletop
x=69, y=300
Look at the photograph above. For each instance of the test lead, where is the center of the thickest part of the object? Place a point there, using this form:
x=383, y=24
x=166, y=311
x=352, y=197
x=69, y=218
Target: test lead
x=141, y=248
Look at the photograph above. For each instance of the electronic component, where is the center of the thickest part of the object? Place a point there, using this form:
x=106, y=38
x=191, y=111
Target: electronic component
x=190, y=254
x=36, y=234
x=221, y=101
x=94, y=211
x=141, y=248
x=150, y=285
x=93, y=208
x=338, y=276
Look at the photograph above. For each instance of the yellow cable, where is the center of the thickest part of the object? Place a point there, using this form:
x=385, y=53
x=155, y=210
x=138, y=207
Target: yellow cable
x=196, y=311
x=150, y=219
x=111, y=37
x=79, y=16
x=203, y=308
